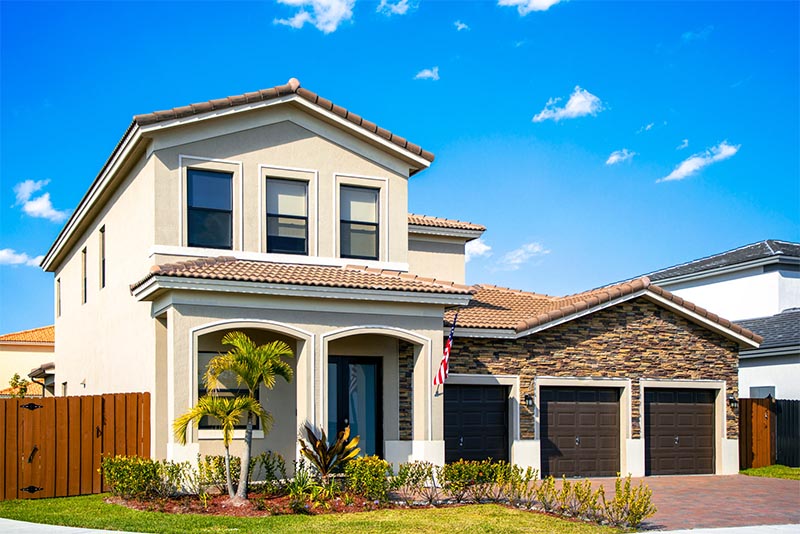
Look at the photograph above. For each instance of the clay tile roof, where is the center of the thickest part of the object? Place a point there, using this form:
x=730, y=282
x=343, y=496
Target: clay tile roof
x=508, y=309
x=438, y=222
x=45, y=334
x=290, y=87
x=351, y=276
x=34, y=390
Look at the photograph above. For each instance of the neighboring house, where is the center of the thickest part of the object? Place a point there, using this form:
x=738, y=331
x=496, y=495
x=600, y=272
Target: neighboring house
x=285, y=216
x=22, y=351
x=758, y=286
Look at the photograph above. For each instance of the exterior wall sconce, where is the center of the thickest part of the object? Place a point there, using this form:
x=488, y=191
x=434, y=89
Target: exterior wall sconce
x=528, y=400
x=733, y=401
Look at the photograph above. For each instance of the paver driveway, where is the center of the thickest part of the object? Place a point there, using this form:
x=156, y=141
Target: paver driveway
x=686, y=502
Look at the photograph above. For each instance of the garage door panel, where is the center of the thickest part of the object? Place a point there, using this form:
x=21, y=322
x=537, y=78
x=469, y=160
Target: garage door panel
x=590, y=414
x=679, y=431
x=476, y=422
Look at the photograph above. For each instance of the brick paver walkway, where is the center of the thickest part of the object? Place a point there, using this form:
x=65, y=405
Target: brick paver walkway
x=686, y=502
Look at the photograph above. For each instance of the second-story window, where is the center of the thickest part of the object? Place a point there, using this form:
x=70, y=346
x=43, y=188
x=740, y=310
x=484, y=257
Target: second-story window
x=287, y=216
x=359, y=223
x=210, y=209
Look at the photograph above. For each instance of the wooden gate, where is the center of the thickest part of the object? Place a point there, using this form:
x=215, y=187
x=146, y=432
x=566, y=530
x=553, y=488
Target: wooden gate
x=756, y=432
x=52, y=447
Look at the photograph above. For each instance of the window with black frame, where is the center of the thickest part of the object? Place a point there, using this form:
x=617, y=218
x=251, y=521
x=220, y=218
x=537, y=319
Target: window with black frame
x=228, y=388
x=210, y=209
x=287, y=216
x=359, y=222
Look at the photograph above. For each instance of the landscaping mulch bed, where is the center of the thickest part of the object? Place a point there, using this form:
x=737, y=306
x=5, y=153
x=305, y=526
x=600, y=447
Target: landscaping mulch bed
x=258, y=505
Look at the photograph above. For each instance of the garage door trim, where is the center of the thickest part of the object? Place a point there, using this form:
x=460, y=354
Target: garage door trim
x=511, y=381
x=720, y=416
x=625, y=387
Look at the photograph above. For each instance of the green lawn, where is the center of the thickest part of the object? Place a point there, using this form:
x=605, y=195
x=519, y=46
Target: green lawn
x=91, y=512
x=774, y=471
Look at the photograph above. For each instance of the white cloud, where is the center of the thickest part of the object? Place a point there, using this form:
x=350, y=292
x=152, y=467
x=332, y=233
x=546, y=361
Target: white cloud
x=37, y=206
x=646, y=128
x=428, y=74
x=9, y=256
x=325, y=15
x=581, y=103
x=693, y=164
x=476, y=248
x=513, y=260
x=460, y=26
x=698, y=35
x=388, y=8
x=684, y=144
x=526, y=6
x=618, y=156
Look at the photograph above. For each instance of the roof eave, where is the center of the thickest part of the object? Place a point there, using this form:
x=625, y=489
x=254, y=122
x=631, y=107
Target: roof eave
x=467, y=235
x=760, y=262
x=153, y=287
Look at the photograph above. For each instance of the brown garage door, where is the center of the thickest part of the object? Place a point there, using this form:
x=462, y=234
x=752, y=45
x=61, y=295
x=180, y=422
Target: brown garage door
x=580, y=431
x=475, y=423
x=679, y=431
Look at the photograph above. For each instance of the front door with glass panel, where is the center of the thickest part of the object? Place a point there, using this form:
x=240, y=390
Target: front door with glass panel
x=355, y=398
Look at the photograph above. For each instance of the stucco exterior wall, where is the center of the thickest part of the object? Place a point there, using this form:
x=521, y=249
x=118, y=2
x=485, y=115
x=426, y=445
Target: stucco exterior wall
x=779, y=371
x=745, y=294
x=20, y=359
x=106, y=344
x=319, y=328
x=634, y=340
x=437, y=258
x=280, y=143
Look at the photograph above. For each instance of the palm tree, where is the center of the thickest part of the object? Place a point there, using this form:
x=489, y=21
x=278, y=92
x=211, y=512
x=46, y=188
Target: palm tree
x=252, y=365
x=228, y=411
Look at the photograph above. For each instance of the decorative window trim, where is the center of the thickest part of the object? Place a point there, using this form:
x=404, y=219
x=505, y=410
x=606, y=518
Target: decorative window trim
x=278, y=172
x=369, y=182
x=236, y=168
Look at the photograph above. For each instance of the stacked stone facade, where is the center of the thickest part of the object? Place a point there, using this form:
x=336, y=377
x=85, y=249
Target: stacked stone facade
x=406, y=368
x=634, y=340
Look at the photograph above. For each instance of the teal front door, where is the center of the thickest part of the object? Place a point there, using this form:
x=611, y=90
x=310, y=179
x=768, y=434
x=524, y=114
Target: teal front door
x=355, y=399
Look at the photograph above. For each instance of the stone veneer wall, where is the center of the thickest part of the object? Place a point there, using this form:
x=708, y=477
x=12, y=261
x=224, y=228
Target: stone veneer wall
x=633, y=340
x=406, y=364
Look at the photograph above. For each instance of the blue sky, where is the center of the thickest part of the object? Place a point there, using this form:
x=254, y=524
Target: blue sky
x=595, y=140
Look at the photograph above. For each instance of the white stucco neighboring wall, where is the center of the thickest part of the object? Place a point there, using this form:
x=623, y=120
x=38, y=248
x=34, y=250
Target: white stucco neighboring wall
x=782, y=372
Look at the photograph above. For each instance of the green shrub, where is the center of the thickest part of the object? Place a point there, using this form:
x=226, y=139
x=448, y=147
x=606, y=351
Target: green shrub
x=412, y=479
x=516, y=486
x=131, y=477
x=576, y=499
x=329, y=458
x=368, y=476
x=211, y=471
x=482, y=482
x=546, y=494
x=630, y=506
x=300, y=488
x=456, y=479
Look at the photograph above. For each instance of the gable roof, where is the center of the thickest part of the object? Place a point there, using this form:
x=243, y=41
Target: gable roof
x=768, y=248
x=439, y=222
x=289, y=88
x=45, y=335
x=780, y=330
x=351, y=276
x=519, y=311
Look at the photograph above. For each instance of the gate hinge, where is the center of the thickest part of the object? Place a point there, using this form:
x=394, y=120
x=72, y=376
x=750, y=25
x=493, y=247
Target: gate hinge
x=31, y=489
x=31, y=406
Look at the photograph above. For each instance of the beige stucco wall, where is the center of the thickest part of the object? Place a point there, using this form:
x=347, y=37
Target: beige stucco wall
x=107, y=342
x=437, y=257
x=20, y=359
x=284, y=143
x=320, y=327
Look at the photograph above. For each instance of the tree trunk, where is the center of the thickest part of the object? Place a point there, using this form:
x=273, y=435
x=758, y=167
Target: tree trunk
x=241, y=491
x=228, y=472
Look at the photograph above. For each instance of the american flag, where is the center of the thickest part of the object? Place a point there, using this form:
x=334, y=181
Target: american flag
x=441, y=375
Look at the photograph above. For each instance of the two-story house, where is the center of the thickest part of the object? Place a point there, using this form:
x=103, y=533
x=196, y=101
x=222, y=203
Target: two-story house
x=283, y=215
x=758, y=286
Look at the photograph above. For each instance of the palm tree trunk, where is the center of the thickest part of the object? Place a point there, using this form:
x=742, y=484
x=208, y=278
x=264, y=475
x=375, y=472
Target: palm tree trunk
x=228, y=472
x=241, y=491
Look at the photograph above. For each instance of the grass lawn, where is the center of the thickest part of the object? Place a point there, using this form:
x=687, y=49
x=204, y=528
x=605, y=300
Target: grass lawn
x=91, y=512
x=774, y=471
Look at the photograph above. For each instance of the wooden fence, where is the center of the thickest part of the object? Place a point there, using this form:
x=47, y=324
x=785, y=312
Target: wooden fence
x=756, y=432
x=787, y=430
x=52, y=447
